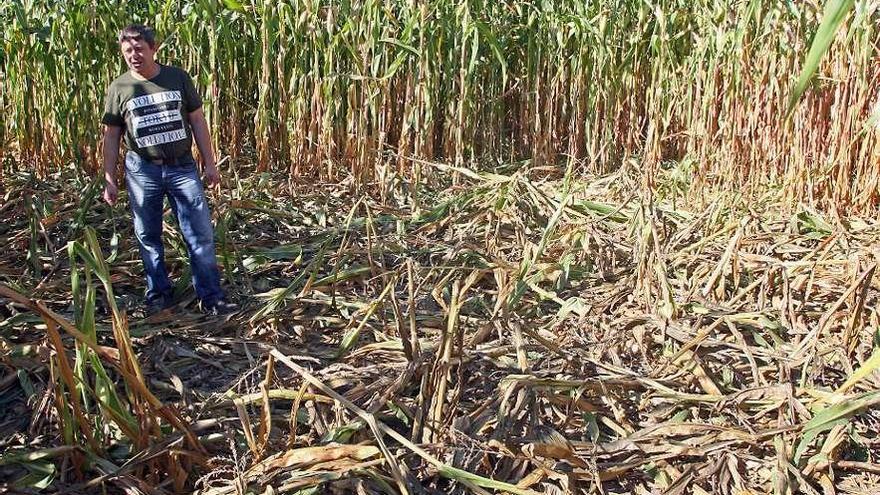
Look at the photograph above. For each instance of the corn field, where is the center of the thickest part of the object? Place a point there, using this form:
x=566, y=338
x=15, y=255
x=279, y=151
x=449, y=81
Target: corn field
x=326, y=89
x=480, y=247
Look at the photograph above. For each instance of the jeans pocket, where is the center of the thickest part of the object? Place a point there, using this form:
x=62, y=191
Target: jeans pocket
x=133, y=162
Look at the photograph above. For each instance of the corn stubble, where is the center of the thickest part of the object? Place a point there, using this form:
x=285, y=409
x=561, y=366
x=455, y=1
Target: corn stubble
x=686, y=309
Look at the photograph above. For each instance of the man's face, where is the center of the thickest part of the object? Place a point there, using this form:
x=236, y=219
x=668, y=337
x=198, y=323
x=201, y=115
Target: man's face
x=138, y=54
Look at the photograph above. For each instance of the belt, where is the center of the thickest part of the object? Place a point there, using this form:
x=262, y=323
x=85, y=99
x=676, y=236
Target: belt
x=166, y=161
x=169, y=161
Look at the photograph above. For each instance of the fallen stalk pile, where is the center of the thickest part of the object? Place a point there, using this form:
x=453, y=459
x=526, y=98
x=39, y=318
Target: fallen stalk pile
x=523, y=335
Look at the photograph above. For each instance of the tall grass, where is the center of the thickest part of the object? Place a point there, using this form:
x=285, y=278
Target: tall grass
x=327, y=89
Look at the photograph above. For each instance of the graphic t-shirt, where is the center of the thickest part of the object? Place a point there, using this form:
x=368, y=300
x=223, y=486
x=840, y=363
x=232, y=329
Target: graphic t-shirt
x=154, y=112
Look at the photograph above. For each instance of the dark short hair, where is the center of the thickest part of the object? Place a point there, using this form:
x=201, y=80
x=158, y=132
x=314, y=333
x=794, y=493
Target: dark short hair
x=138, y=32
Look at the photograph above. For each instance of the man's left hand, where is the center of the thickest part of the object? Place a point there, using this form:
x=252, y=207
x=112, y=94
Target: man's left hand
x=212, y=175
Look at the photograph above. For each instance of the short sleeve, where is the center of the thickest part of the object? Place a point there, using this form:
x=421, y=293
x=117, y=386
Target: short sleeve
x=112, y=111
x=192, y=99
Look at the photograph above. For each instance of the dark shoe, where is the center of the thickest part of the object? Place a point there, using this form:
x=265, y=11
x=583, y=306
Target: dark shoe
x=219, y=308
x=159, y=305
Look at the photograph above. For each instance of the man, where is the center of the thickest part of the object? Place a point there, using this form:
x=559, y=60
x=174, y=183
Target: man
x=158, y=109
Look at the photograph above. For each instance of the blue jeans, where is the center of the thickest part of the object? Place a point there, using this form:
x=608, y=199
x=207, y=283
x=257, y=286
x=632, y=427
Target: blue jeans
x=148, y=183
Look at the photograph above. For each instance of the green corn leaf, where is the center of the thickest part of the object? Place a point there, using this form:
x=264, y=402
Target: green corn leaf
x=351, y=337
x=486, y=32
x=834, y=415
x=40, y=475
x=835, y=12
x=343, y=433
x=233, y=5
x=810, y=223
x=864, y=370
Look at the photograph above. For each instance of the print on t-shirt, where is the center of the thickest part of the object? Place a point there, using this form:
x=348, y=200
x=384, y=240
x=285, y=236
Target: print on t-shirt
x=156, y=118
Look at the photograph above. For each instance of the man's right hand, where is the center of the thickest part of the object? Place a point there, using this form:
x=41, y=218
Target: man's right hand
x=111, y=192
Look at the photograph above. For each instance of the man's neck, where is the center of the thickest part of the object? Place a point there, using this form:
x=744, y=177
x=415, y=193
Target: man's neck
x=147, y=73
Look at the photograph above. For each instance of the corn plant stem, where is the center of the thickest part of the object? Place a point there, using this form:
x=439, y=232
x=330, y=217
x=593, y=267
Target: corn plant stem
x=170, y=415
x=69, y=382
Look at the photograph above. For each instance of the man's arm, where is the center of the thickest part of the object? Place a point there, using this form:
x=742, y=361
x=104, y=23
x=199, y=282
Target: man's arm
x=110, y=151
x=203, y=140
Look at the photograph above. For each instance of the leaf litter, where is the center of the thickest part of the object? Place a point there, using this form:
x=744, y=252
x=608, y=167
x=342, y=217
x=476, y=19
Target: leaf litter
x=511, y=333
